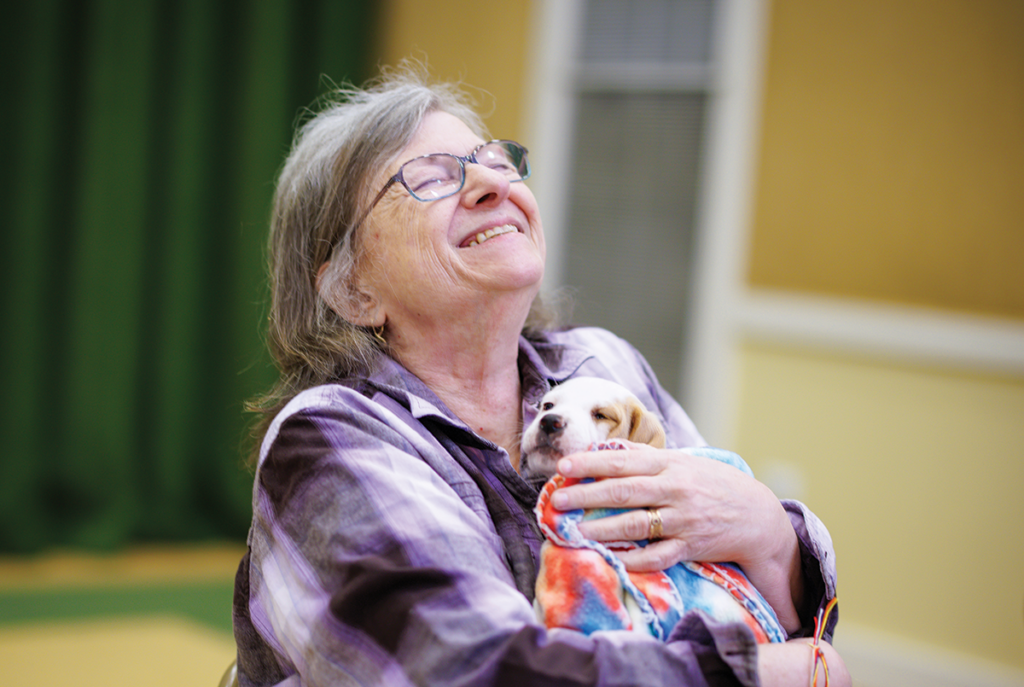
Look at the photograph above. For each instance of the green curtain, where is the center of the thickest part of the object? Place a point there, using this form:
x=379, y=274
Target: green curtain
x=141, y=142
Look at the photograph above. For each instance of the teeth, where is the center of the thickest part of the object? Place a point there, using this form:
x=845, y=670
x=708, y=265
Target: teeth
x=491, y=233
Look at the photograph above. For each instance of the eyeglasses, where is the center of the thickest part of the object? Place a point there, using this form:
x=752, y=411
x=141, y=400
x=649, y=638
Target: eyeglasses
x=439, y=175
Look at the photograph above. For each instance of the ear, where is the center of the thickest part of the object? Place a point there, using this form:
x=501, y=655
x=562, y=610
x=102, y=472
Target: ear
x=351, y=303
x=645, y=427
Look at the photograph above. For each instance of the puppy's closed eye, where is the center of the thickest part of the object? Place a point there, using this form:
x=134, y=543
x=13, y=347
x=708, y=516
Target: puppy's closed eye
x=632, y=421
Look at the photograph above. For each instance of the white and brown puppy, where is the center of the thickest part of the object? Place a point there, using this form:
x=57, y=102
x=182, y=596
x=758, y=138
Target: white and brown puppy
x=578, y=413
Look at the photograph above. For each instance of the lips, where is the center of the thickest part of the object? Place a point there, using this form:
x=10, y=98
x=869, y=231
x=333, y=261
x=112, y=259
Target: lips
x=488, y=234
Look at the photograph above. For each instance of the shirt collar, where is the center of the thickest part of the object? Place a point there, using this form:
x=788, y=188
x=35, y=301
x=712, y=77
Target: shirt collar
x=543, y=363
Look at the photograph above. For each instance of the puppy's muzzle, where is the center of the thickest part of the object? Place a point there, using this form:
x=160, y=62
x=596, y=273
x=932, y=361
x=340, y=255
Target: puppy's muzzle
x=552, y=425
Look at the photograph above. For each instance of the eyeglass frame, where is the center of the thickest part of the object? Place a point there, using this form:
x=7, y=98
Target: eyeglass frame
x=461, y=159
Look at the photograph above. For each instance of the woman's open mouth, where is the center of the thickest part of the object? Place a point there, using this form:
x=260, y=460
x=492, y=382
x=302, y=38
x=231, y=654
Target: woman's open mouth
x=489, y=234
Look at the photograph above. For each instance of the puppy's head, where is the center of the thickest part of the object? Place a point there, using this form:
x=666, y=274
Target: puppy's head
x=578, y=413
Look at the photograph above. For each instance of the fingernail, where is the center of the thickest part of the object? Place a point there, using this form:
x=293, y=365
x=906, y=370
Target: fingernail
x=559, y=500
x=565, y=466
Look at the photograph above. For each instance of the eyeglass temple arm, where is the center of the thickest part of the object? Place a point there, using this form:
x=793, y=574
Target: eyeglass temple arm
x=391, y=182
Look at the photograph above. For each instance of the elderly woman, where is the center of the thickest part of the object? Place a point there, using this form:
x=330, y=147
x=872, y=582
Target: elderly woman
x=393, y=540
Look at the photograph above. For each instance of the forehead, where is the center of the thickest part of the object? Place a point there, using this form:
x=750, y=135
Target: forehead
x=588, y=390
x=440, y=132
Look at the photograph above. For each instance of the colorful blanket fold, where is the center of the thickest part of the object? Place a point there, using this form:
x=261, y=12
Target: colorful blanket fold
x=582, y=584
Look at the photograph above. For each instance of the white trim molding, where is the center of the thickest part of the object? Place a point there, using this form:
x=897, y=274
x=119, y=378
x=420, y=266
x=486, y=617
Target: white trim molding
x=549, y=110
x=709, y=381
x=889, y=332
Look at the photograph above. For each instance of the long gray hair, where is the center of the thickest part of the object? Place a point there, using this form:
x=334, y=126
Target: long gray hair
x=322, y=190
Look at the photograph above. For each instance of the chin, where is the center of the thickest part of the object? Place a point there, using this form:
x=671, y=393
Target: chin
x=521, y=272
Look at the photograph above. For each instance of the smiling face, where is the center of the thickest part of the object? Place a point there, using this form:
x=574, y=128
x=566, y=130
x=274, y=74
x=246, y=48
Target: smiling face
x=426, y=262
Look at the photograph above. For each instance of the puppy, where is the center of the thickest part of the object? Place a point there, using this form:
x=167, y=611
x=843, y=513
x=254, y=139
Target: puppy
x=576, y=415
x=582, y=585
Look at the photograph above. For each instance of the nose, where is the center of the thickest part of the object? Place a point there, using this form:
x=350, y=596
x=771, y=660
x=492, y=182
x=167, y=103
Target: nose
x=552, y=424
x=484, y=186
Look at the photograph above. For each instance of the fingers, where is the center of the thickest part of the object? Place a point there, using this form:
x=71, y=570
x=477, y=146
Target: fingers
x=658, y=555
x=638, y=460
x=635, y=492
x=631, y=526
x=635, y=526
x=639, y=467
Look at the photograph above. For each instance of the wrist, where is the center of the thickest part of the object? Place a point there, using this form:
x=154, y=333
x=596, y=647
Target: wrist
x=778, y=572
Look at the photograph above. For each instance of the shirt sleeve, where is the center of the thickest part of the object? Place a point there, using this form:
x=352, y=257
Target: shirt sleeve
x=818, y=559
x=368, y=566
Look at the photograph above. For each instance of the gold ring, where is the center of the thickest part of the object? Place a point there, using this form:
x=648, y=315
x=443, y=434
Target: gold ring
x=656, y=530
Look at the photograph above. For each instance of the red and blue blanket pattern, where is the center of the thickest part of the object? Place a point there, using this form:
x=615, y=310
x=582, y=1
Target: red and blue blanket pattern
x=583, y=585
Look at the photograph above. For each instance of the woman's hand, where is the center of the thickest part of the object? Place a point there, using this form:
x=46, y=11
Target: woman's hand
x=710, y=512
x=791, y=665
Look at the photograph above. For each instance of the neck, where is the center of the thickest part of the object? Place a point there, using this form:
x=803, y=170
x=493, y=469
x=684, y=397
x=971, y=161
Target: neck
x=472, y=365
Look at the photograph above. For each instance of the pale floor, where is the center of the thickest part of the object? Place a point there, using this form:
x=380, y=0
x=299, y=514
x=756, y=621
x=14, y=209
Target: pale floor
x=155, y=651
x=164, y=650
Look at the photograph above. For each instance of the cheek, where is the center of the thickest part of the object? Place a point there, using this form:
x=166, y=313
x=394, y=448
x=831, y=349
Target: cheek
x=524, y=198
x=608, y=429
x=394, y=238
x=528, y=204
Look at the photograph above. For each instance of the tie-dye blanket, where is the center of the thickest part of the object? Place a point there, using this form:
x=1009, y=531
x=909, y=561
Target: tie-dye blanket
x=582, y=584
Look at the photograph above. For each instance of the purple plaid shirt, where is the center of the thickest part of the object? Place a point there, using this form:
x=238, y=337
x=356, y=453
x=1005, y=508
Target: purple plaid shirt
x=391, y=545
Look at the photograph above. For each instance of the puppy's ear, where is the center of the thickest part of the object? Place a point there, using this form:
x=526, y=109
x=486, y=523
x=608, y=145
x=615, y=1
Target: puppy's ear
x=645, y=428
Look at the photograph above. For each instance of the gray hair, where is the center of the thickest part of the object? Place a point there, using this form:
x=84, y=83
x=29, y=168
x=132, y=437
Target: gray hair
x=322, y=190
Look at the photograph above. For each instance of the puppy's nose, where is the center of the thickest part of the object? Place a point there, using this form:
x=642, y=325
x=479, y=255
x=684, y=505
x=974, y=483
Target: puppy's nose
x=552, y=424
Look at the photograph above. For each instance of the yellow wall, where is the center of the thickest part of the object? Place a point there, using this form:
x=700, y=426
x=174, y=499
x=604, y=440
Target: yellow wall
x=892, y=168
x=919, y=476
x=483, y=44
x=893, y=152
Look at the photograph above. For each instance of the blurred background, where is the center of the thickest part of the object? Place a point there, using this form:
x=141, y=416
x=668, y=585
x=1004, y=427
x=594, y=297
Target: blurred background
x=808, y=215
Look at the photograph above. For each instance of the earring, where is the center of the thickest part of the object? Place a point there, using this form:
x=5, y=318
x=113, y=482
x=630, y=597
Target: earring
x=378, y=333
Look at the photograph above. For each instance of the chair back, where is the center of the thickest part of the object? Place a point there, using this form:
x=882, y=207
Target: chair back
x=230, y=677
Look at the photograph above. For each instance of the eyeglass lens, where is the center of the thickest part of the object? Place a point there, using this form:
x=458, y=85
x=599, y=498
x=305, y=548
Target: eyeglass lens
x=439, y=175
